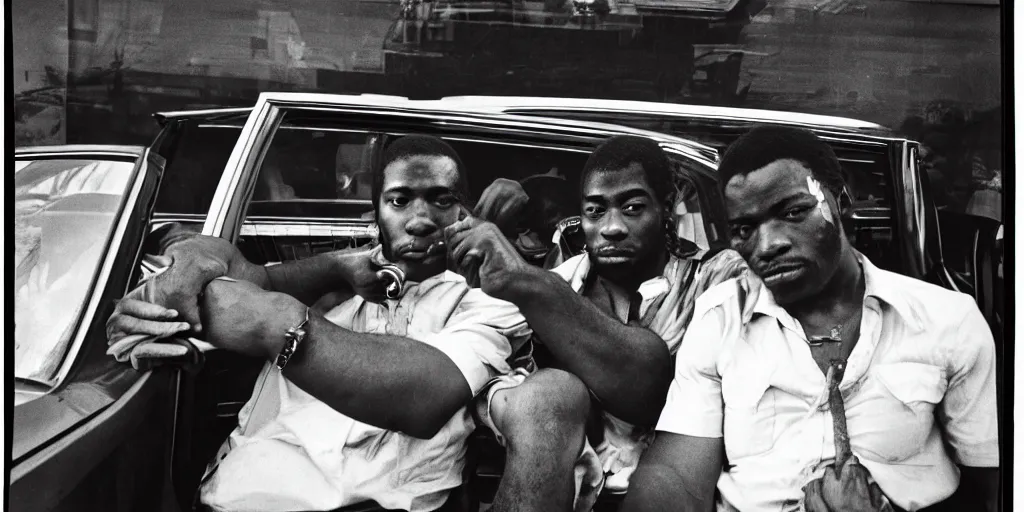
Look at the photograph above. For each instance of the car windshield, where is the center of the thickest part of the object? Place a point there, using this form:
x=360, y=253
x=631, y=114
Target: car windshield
x=64, y=213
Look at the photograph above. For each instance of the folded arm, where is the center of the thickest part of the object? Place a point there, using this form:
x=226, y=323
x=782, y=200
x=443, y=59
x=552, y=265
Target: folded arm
x=628, y=367
x=391, y=382
x=677, y=472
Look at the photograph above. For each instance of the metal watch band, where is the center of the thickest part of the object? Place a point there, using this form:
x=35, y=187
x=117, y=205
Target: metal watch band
x=292, y=339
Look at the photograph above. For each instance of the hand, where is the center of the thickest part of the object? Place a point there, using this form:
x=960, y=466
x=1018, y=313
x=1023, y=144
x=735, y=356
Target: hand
x=849, y=490
x=362, y=270
x=480, y=251
x=134, y=315
x=194, y=262
x=242, y=317
x=501, y=203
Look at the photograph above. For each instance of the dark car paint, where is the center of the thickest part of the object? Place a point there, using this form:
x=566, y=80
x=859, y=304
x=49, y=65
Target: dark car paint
x=72, y=440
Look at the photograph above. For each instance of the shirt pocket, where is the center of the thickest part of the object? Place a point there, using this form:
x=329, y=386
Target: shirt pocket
x=896, y=422
x=918, y=386
x=749, y=406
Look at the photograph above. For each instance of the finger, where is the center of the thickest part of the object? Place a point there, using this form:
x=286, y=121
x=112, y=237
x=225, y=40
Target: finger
x=437, y=247
x=126, y=325
x=877, y=496
x=813, y=499
x=456, y=227
x=145, y=310
x=460, y=245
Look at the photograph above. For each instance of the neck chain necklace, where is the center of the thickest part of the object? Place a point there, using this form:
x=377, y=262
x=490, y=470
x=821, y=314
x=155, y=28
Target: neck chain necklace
x=835, y=335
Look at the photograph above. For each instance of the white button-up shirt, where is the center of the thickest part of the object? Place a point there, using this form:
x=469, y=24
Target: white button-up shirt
x=923, y=371
x=294, y=452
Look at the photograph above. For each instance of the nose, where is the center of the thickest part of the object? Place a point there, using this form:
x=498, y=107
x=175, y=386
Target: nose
x=772, y=241
x=420, y=223
x=613, y=228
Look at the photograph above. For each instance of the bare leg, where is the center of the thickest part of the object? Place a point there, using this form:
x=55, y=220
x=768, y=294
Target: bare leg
x=543, y=421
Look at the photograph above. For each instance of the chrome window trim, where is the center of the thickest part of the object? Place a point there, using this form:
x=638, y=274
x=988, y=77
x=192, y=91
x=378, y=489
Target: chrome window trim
x=247, y=156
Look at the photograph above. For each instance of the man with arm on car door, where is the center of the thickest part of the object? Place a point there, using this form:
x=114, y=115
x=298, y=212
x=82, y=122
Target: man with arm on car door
x=369, y=400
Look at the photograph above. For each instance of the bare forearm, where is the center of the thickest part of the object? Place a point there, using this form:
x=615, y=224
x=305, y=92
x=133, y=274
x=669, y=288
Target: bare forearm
x=390, y=382
x=677, y=472
x=308, y=279
x=628, y=368
x=654, y=488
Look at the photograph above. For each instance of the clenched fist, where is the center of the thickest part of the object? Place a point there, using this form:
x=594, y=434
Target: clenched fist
x=242, y=317
x=502, y=203
x=481, y=253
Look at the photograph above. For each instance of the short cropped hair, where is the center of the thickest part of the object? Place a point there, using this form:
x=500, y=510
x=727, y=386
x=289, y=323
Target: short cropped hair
x=619, y=152
x=763, y=145
x=419, y=145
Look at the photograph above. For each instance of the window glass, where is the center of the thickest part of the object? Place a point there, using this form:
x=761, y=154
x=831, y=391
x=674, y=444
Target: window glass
x=64, y=213
x=195, y=163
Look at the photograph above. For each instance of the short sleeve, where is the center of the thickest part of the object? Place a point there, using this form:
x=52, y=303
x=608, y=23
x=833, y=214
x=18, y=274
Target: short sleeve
x=480, y=336
x=726, y=265
x=694, y=404
x=968, y=409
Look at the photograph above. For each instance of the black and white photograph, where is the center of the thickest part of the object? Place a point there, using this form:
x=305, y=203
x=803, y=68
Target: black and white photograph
x=510, y=256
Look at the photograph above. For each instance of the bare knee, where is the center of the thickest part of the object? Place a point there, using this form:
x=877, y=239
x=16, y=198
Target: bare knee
x=550, y=406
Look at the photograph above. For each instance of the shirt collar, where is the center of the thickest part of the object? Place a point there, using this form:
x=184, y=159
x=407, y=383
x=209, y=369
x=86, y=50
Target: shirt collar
x=648, y=290
x=880, y=284
x=877, y=283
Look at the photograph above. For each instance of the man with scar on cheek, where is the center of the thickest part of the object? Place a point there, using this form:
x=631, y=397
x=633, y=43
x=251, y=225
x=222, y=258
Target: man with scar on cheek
x=822, y=383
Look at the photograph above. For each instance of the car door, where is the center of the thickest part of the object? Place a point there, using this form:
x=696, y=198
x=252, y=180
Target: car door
x=87, y=432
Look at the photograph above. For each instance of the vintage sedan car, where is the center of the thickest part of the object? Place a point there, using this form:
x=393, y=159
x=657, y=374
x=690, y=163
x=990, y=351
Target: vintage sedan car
x=290, y=177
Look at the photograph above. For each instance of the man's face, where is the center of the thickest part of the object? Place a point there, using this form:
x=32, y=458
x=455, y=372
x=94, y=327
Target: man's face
x=622, y=222
x=417, y=202
x=786, y=225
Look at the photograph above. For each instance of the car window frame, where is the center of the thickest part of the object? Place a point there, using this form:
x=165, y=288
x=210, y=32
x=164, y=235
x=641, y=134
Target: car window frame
x=234, y=193
x=144, y=161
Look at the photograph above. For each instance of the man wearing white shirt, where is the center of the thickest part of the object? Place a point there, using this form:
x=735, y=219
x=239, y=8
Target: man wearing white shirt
x=912, y=414
x=369, y=400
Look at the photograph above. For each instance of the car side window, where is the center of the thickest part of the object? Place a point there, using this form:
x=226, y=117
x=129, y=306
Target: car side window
x=196, y=158
x=700, y=209
x=312, y=192
x=872, y=223
x=490, y=160
x=315, y=164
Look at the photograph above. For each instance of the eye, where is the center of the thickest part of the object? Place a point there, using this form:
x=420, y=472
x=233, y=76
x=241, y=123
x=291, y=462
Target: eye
x=446, y=201
x=398, y=201
x=593, y=212
x=634, y=208
x=796, y=212
x=742, y=231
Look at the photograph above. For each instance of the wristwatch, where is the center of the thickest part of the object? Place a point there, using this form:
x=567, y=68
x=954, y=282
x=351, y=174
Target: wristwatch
x=292, y=339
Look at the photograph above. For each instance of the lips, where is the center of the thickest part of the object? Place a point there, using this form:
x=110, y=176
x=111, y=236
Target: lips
x=421, y=249
x=779, y=274
x=614, y=252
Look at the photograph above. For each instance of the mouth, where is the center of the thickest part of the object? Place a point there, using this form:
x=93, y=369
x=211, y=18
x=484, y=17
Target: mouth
x=610, y=255
x=780, y=274
x=421, y=250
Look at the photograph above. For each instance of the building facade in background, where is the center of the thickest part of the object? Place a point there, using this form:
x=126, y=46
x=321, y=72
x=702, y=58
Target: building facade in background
x=93, y=71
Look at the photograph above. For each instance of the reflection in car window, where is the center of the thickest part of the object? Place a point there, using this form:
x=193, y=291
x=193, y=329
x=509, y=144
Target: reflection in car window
x=319, y=163
x=64, y=213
